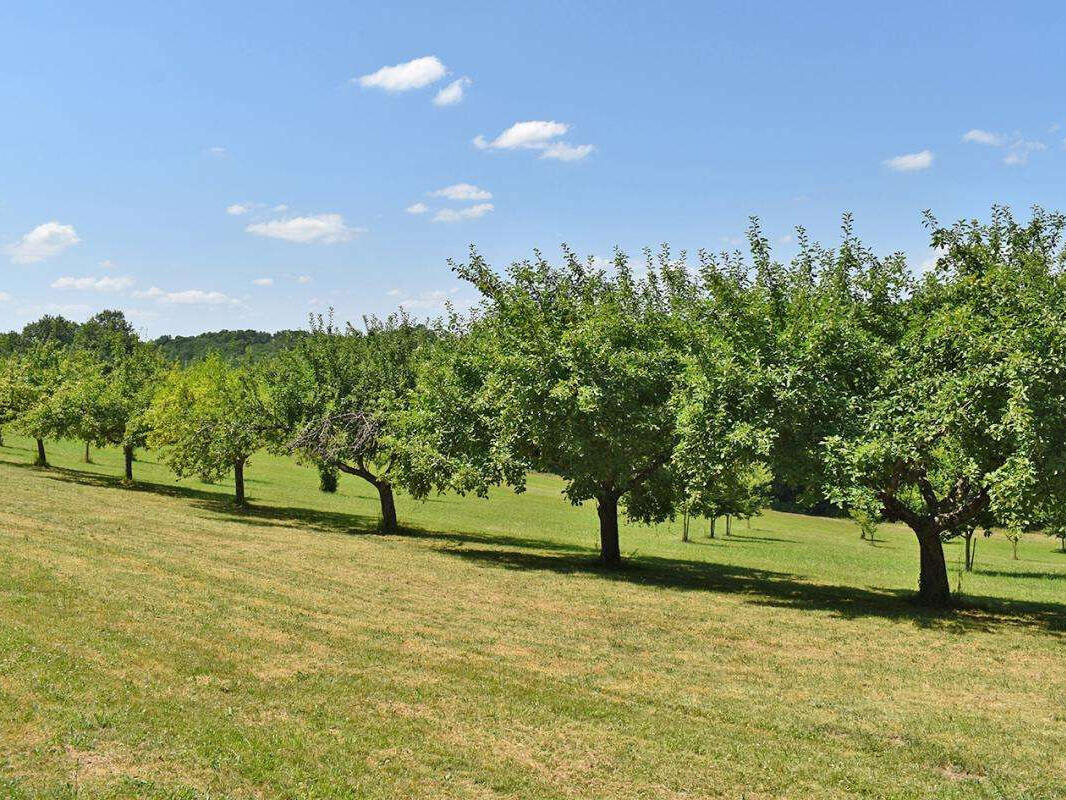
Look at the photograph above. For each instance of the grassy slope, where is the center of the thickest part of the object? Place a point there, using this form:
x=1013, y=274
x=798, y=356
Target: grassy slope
x=154, y=644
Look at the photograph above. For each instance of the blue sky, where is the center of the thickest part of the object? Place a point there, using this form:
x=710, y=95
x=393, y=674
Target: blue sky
x=131, y=131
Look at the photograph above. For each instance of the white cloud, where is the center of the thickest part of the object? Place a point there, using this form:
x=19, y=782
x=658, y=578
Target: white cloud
x=107, y=263
x=452, y=93
x=417, y=208
x=561, y=151
x=263, y=282
x=104, y=284
x=429, y=301
x=1019, y=151
x=471, y=212
x=280, y=207
x=462, y=191
x=303, y=279
x=4, y=297
x=238, y=208
x=217, y=152
x=414, y=74
x=911, y=162
x=323, y=228
x=186, y=297
x=978, y=136
x=393, y=293
x=536, y=135
x=44, y=241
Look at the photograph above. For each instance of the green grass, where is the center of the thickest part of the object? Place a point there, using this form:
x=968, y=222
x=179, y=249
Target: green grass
x=153, y=643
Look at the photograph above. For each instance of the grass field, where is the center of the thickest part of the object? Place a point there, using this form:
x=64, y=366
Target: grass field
x=153, y=643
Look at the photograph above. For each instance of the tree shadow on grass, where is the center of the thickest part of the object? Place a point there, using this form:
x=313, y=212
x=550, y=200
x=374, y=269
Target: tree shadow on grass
x=750, y=538
x=1003, y=573
x=784, y=590
x=297, y=518
x=758, y=586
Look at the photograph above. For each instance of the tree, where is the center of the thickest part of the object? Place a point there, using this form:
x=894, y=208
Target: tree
x=865, y=511
x=108, y=405
x=33, y=377
x=336, y=396
x=965, y=424
x=576, y=366
x=209, y=419
x=1059, y=532
x=55, y=330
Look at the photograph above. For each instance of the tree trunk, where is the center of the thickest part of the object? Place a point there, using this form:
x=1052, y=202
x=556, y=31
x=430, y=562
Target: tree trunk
x=127, y=453
x=607, y=509
x=388, y=507
x=728, y=525
x=1014, y=547
x=42, y=459
x=713, y=520
x=1, y=437
x=967, y=539
x=934, y=590
x=684, y=528
x=88, y=457
x=238, y=482
x=1063, y=540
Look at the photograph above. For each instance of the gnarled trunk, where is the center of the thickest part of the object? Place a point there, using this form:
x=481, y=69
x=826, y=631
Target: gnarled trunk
x=934, y=590
x=127, y=453
x=388, y=506
x=607, y=509
x=238, y=482
x=42, y=459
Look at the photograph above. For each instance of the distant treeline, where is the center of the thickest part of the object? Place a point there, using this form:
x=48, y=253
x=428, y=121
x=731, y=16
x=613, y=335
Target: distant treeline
x=230, y=345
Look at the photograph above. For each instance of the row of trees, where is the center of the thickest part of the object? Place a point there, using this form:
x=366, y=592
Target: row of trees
x=654, y=390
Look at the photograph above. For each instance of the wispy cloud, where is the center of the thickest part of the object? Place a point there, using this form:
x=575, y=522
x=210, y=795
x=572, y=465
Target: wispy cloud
x=1018, y=148
x=417, y=208
x=978, y=136
x=303, y=279
x=416, y=74
x=462, y=191
x=186, y=297
x=217, y=152
x=471, y=212
x=321, y=228
x=452, y=93
x=910, y=162
x=103, y=284
x=5, y=297
x=44, y=241
x=431, y=300
x=542, y=135
x=1019, y=151
x=263, y=281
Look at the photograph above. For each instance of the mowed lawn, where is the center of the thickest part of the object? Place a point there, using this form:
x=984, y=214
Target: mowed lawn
x=153, y=643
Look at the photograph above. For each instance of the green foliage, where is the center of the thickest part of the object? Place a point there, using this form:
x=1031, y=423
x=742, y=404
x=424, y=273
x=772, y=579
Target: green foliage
x=965, y=424
x=577, y=366
x=231, y=346
x=337, y=395
x=327, y=478
x=208, y=419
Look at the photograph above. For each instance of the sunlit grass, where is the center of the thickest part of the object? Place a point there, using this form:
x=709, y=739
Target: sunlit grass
x=154, y=643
